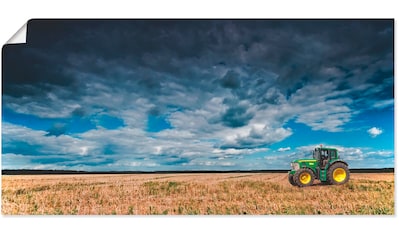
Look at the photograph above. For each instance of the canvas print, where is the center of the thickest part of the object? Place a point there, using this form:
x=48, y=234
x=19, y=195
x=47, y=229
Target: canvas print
x=199, y=117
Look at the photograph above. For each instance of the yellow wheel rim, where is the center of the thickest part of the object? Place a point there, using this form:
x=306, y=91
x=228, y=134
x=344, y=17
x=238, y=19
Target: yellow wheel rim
x=339, y=175
x=305, y=178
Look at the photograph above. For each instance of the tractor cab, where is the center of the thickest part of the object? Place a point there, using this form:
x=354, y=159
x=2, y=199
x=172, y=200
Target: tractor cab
x=325, y=166
x=324, y=156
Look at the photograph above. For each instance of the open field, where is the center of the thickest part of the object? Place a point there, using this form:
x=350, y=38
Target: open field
x=186, y=194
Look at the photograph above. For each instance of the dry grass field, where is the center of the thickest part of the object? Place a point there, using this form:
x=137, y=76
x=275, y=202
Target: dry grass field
x=193, y=194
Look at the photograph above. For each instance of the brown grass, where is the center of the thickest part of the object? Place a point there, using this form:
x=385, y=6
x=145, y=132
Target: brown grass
x=186, y=194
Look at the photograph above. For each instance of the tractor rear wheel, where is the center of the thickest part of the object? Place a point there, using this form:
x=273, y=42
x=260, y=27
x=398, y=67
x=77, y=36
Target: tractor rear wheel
x=304, y=177
x=338, y=173
x=291, y=180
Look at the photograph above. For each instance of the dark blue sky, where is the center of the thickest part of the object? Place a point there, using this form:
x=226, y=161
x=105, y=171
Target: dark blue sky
x=197, y=94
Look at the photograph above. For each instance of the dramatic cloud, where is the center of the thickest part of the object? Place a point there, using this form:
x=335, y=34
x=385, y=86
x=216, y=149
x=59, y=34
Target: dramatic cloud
x=191, y=94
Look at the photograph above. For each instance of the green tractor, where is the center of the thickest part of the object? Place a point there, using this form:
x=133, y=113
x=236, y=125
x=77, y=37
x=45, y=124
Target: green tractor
x=325, y=166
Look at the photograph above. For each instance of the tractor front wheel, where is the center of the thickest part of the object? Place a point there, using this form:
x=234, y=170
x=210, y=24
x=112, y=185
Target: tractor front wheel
x=304, y=177
x=338, y=173
x=291, y=179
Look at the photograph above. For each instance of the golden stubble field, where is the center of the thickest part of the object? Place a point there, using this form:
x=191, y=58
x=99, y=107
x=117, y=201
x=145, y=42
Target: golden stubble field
x=193, y=194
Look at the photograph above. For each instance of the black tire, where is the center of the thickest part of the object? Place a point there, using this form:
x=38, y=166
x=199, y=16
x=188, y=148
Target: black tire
x=304, y=177
x=291, y=180
x=338, y=173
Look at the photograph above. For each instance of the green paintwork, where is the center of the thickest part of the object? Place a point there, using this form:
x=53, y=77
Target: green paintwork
x=323, y=175
x=315, y=163
x=306, y=160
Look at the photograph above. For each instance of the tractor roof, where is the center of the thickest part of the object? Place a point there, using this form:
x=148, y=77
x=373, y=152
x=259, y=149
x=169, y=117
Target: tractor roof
x=325, y=148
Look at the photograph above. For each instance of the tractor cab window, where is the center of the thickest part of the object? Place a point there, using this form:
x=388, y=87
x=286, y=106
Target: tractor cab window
x=333, y=154
x=324, y=154
x=316, y=154
x=324, y=158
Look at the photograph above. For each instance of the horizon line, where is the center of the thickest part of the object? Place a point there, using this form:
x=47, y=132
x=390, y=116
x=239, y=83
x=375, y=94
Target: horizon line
x=38, y=172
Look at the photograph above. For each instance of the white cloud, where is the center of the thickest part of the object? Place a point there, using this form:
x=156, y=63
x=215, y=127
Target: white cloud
x=315, y=108
x=381, y=153
x=374, y=132
x=254, y=135
x=284, y=149
x=233, y=151
x=383, y=103
x=50, y=145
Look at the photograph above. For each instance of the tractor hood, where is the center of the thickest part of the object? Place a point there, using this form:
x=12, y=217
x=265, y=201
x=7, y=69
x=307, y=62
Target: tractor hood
x=302, y=163
x=304, y=160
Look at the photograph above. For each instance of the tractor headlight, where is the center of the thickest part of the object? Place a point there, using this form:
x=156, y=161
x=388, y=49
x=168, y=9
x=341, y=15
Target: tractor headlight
x=295, y=166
